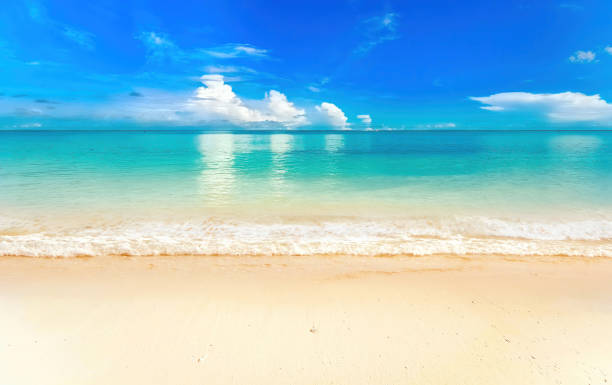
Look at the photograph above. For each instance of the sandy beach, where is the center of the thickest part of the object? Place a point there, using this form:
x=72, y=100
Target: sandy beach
x=241, y=320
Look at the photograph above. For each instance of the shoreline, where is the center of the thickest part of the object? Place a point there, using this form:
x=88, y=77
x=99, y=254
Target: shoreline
x=305, y=320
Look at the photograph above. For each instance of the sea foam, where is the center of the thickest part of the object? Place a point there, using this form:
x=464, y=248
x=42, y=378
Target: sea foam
x=335, y=236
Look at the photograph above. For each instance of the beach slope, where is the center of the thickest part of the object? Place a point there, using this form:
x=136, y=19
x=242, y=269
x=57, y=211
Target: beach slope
x=240, y=320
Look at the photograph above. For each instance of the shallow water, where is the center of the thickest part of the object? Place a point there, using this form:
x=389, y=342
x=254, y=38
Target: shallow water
x=357, y=193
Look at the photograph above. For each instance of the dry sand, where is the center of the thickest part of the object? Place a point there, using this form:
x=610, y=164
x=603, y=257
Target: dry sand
x=186, y=320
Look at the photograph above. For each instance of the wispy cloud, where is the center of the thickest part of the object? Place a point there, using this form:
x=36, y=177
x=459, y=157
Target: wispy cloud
x=39, y=15
x=492, y=108
x=437, y=126
x=223, y=69
x=29, y=125
x=318, y=86
x=608, y=49
x=161, y=48
x=582, y=57
x=571, y=6
x=230, y=51
x=220, y=69
x=561, y=107
x=82, y=38
x=377, y=30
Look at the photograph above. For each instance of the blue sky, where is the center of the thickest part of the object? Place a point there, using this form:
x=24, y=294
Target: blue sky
x=306, y=65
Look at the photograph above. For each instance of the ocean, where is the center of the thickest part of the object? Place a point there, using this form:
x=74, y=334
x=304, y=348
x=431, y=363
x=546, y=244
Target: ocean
x=402, y=193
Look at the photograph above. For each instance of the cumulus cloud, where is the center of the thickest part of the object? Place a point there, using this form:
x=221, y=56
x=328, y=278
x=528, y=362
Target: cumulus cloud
x=365, y=119
x=608, y=49
x=333, y=115
x=283, y=111
x=582, y=57
x=561, y=107
x=216, y=100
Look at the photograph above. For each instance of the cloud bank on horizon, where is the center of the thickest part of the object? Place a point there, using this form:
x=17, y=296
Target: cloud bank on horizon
x=562, y=107
x=358, y=65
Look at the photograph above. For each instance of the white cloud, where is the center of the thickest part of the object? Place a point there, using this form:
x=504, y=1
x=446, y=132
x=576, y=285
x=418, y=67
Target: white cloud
x=214, y=102
x=492, y=108
x=582, y=57
x=238, y=73
x=283, y=111
x=333, y=115
x=160, y=47
x=377, y=30
x=38, y=14
x=217, y=69
x=317, y=86
x=444, y=125
x=365, y=119
x=230, y=51
x=217, y=101
x=252, y=51
x=608, y=49
x=82, y=38
x=28, y=125
x=561, y=107
x=158, y=40
x=438, y=125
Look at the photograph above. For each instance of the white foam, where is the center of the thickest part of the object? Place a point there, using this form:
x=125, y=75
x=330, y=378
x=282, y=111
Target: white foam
x=340, y=236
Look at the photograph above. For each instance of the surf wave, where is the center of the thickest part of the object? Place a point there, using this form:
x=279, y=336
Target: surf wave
x=340, y=236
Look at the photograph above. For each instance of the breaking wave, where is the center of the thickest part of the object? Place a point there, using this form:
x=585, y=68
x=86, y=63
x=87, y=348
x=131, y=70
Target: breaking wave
x=335, y=236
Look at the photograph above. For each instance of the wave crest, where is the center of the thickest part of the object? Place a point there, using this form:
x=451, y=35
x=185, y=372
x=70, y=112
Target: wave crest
x=340, y=236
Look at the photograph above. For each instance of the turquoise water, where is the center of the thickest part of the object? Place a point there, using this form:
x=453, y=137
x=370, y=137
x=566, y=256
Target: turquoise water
x=362, y=193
